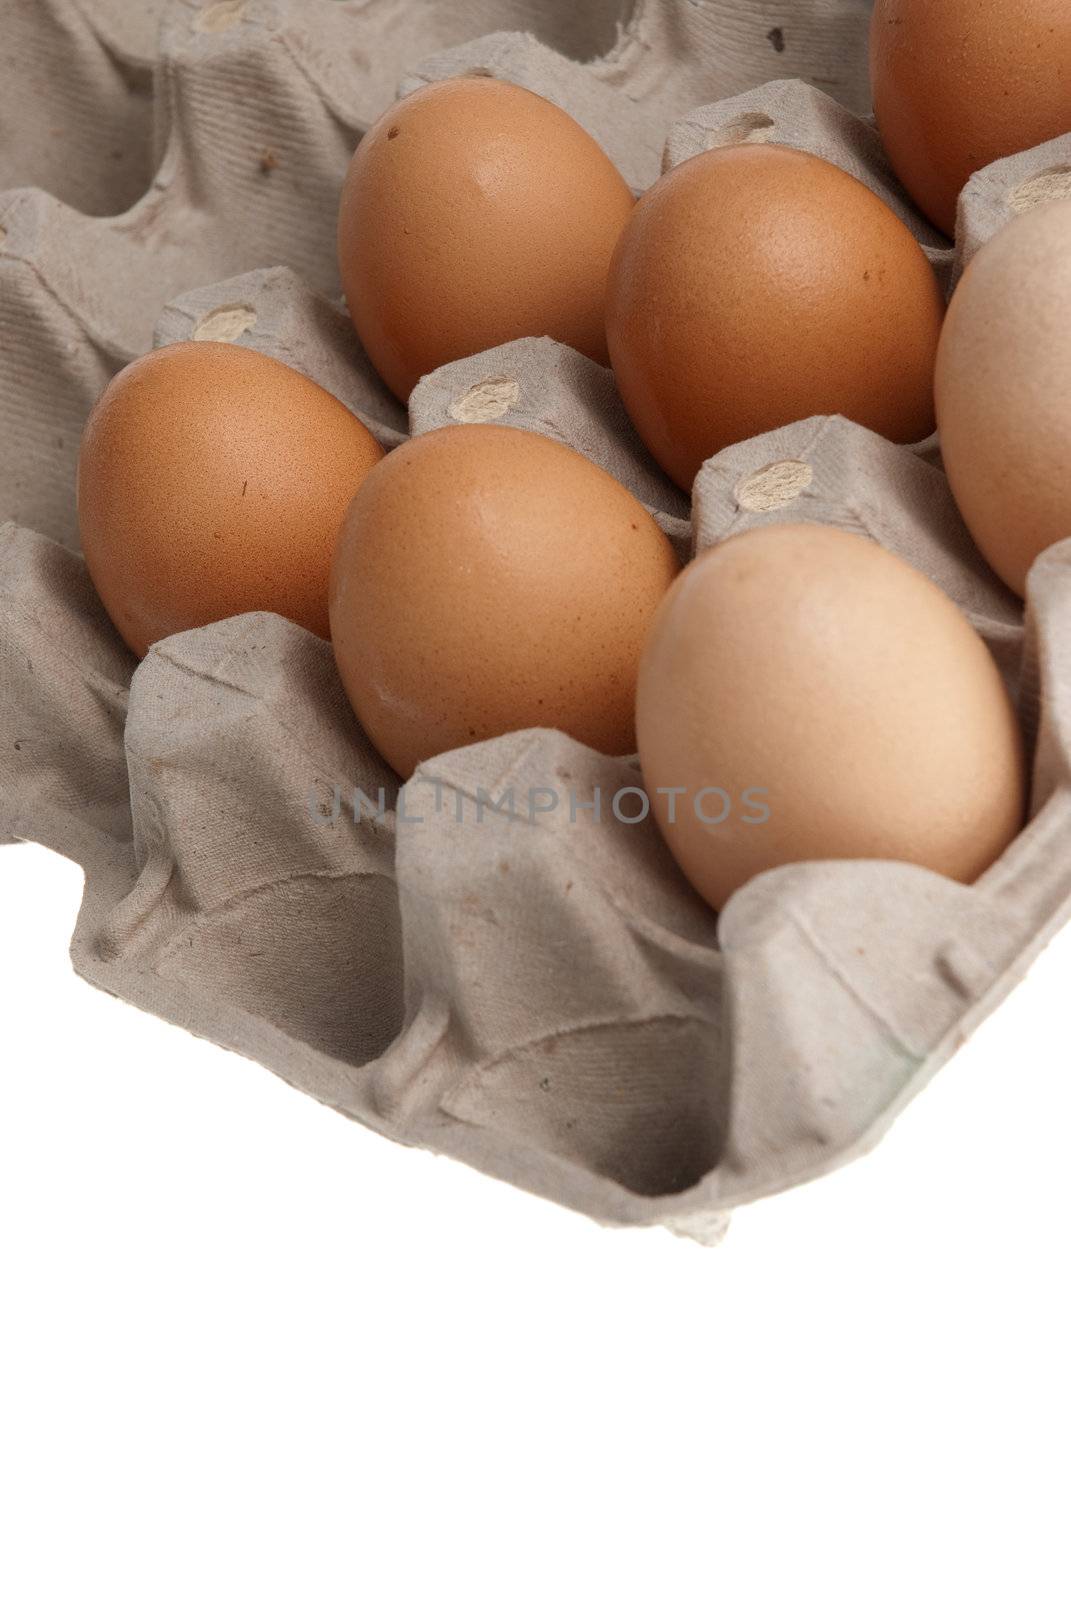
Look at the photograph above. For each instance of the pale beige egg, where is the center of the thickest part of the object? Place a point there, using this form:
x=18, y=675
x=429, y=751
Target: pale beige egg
x=805, y=695
x=1004, y=392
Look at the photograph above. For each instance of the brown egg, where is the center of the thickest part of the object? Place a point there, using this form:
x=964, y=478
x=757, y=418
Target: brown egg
x=212, y=480
x=475, y=212
x=812, y=697
x=489, y=579
x=756, y=286
x=958, y=84
x=1004, y=392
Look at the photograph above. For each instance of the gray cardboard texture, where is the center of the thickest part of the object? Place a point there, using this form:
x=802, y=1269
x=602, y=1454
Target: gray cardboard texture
x=539, y=994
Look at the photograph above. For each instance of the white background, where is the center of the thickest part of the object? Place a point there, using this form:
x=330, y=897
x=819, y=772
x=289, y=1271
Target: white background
x=249, y=1349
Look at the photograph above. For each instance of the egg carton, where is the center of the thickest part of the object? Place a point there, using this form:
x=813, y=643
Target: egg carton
x=522, y=985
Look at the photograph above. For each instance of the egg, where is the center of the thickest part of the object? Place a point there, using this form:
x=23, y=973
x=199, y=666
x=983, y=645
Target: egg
x=212, y=480
x=806, y=695
x=756, y=286
x=958, y=84
x=475, y=212
x=489, y=579
x=1004, y=392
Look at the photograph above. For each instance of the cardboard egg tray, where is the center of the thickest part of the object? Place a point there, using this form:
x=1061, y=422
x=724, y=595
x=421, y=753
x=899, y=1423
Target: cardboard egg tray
x=533, y=989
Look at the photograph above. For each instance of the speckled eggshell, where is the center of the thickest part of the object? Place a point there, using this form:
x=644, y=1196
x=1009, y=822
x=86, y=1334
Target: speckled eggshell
x=755, y=286
x=212, y=480
x=819, y=680
x=1004, y=392
x=958, y=84
x=475, y=212
x=489, y=579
